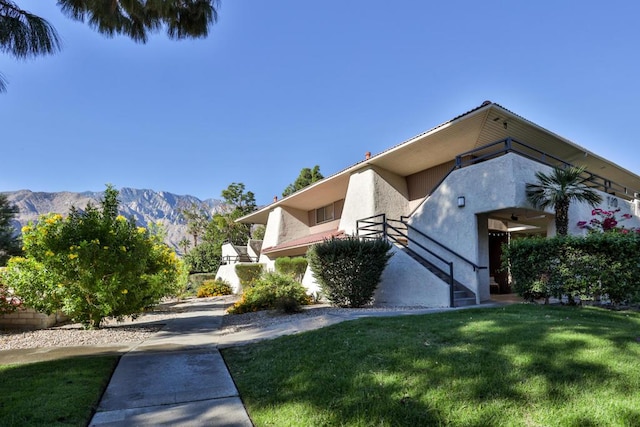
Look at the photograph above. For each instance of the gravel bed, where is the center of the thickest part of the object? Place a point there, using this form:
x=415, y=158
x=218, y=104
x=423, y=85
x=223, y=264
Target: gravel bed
x=237, y=322
x=143, y=327
x=71, y=335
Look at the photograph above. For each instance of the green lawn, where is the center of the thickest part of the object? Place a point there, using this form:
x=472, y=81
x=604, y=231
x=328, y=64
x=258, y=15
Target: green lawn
x=520, y=365
x=56, y=393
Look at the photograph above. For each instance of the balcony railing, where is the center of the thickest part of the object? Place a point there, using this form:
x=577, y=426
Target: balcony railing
x=235, y=259
x=510, y=145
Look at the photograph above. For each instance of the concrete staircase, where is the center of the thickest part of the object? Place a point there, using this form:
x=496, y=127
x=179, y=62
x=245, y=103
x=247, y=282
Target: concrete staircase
x=462, y=296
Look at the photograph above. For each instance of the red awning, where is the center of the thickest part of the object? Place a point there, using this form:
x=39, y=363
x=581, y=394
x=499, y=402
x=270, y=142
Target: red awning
x=305, y=241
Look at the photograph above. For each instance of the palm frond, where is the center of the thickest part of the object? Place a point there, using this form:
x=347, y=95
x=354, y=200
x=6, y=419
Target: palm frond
x=25, y=35
x=136, y=19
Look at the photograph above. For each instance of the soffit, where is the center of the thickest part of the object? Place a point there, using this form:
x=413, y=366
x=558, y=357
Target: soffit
x=476, y=128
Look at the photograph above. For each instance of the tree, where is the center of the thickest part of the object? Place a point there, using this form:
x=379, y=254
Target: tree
x=184, y=244
x=92, y=264
x=9, y=242
x=235, y=196
x=222, y=228
x=559, y=189
x=197, y=219
x=204, y=258
x=307, y=177
x=25, y=35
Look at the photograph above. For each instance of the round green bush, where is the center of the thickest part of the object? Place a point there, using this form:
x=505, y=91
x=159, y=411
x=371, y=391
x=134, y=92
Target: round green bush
x=272, y=291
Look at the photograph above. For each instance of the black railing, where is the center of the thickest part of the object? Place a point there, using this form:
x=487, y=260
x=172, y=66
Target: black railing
x=229, y=259
x=378, y=226
x=510, y=145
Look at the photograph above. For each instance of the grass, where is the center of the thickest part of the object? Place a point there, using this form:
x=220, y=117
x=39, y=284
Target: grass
x=56, y=393
x=520, y=365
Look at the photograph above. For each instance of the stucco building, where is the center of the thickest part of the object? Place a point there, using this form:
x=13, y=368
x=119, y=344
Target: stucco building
x=449, y=198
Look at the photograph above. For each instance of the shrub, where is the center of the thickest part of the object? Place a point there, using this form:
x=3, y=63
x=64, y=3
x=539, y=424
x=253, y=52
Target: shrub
x=198, y=279
x=349, y=270
x=249, y=273
x=204, y=258
x=294, y=267
x=8, y=301
x=599, y=264
x=93, y=264
x=272, y=291
x=214, y=288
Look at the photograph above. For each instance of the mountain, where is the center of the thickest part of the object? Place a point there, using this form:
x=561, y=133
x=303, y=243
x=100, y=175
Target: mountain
x=145, y=206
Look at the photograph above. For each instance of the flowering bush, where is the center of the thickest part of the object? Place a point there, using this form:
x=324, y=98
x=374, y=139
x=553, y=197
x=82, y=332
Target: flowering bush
x=8, y=301
x=214, y=288
x=93, y=264
x=606, y=221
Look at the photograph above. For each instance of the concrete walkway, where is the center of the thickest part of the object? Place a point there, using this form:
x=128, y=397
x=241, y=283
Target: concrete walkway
x=177, y=377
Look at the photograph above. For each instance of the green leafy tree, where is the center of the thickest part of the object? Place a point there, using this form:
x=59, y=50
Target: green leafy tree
x=222, y=228
x=257, y=232
x=9, y=242
x=93, y=264
x=243, y=202
x=559, y=189
x=204, y=258
x=307, y=177
x=240, y=203
x=24, y=35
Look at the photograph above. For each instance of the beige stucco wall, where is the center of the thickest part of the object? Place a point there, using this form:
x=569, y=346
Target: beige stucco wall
x=372, y=192
x=283, y=225
x=406, y=283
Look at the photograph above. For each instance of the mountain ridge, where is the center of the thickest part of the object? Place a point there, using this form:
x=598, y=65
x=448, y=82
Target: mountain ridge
x=144, y=205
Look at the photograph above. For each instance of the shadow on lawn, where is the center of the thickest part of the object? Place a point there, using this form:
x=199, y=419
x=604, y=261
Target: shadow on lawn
x=476, y=367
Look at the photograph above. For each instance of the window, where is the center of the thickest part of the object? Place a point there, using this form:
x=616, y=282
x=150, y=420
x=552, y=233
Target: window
x=324, y=214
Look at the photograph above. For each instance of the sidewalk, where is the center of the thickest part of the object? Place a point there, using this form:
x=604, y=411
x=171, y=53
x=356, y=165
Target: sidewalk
x=177, y=377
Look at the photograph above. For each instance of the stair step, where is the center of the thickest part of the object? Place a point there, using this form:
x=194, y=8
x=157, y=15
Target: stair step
x=464, y=302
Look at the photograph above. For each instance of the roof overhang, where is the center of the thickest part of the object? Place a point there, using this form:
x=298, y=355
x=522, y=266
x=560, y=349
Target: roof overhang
x=476, y=128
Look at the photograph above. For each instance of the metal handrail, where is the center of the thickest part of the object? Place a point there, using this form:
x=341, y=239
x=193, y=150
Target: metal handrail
x=372, y=226
x=451, y=251
x=227, y=259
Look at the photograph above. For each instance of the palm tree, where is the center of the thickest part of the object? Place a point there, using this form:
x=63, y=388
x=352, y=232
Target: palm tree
x=559, y=189
x=24, y=35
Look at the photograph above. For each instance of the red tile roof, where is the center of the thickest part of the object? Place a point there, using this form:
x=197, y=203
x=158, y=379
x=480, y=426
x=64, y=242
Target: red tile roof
x=306, y=240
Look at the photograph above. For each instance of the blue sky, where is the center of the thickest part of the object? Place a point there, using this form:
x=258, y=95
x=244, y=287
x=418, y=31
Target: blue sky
x=287, y=84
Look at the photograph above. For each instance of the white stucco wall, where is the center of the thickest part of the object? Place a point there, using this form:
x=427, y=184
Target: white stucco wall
x=229, y=252
x=228, y=273
x=582, y=212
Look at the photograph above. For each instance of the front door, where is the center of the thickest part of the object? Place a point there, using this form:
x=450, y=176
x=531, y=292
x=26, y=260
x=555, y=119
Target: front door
x=496, y=240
